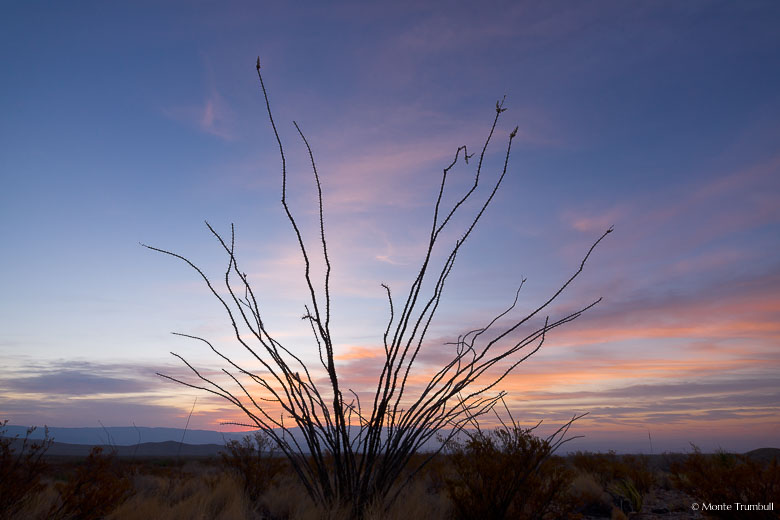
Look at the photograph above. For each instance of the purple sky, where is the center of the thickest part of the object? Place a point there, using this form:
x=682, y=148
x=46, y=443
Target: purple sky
x=134, y=122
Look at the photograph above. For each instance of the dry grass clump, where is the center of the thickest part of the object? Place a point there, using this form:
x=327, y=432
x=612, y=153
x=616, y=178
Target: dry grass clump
x=107, y=489
x=588, y=496
x=627, y=478
x=186, y=497
x=287, y=500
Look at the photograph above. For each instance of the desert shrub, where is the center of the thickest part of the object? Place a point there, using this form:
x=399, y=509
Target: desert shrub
x=609, y=468
x=434, y=473
x=98, y=487
x=507, y=473
x=728, y=478
x=627, y=478
x=550, y=491
x=253, y=460
x=637, y=470
x=588, y=497
x=21, y=468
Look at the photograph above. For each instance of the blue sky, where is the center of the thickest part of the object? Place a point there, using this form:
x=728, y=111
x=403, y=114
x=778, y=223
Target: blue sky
x=135, y=123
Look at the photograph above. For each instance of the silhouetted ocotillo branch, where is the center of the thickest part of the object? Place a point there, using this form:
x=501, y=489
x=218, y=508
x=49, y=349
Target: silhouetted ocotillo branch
x=353, y=452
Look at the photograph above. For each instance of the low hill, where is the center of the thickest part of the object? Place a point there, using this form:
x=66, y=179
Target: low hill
x=166, y=449
x=126, y=435
x=764, y=454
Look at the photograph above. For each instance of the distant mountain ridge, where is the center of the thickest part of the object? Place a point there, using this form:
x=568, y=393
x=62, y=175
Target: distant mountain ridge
x=127, y=435
x=119, y=436
x=167, y=449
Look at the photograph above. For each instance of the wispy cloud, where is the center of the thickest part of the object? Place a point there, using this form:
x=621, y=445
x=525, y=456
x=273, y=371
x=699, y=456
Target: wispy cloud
x=73, y=382
x=668, y=363
x=593, y=222
x=84, y=393
x=212, y=116
x=73, y=378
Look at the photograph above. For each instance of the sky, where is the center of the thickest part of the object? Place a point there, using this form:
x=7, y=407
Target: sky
x=135, y=122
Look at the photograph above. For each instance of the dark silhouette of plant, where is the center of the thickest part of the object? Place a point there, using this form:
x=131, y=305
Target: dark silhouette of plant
x=610, y=467
x=639, y=472
x=255, y=461
x=627, y=478
x=351, y=453
x=551, y=487
x=508, y=472
x=728, y=478
x=21, y=469
x=98, y=487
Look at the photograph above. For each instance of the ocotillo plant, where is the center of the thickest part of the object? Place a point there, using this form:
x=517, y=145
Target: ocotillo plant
x=353, y=454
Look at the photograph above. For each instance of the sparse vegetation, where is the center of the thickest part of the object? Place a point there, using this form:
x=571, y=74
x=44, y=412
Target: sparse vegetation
x=628, y=496
x=97, y=487
x=505, y=473
x=508, y=473
x=728, y=478
x=589, y=496
x=254, y=462
x=202, y=493
x=626, y=478
x=21, y=467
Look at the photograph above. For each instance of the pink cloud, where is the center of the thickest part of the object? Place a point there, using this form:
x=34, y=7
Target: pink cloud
x=700, y=338
x=594, y=222
x=710, y=261
x=731, y=202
